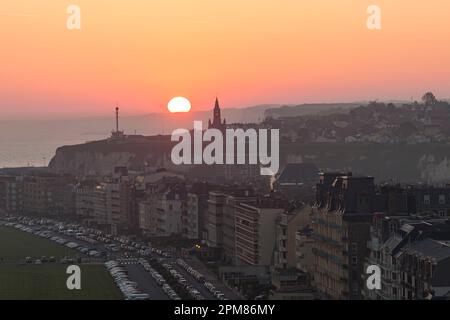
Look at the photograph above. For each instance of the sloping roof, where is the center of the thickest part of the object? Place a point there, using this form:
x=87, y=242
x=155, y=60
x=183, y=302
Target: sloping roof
x=430, y=248
x=298, y=173
x=391, y=244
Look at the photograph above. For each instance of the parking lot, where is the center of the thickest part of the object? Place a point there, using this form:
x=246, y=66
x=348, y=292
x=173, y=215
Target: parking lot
x=139, y=270
x=203, y=291
x=212, y=278
x=147, y=284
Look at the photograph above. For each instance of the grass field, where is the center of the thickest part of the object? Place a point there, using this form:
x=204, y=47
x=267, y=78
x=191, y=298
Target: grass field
x=15, y=245
x=48, y=282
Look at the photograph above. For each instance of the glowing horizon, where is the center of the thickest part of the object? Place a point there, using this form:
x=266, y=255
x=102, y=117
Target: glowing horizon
x=143, y=53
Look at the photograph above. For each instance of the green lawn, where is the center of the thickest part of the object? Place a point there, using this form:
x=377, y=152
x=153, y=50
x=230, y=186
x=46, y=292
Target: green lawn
x=15, y=245
x=48, y=282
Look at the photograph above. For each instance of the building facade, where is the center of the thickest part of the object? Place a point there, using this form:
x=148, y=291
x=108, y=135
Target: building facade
x=255, y=235
x=341, y=221
x=412, y=254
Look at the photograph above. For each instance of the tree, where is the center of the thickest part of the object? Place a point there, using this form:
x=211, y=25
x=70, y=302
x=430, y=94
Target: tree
x=429, y=99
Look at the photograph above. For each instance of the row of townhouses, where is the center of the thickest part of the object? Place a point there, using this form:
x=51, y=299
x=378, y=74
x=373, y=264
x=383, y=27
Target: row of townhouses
x=402, y=230
x=303, y=240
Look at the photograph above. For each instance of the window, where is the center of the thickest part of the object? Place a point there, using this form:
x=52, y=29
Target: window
x=354, y=247
x=442, y=199
x=354, y=261
x=426, y=199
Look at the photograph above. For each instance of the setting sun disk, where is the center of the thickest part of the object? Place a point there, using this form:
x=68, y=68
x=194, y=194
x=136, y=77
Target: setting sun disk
x=179, y=104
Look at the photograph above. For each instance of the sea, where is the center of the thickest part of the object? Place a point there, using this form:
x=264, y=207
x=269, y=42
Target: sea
x=34, y=152
x=33, y=143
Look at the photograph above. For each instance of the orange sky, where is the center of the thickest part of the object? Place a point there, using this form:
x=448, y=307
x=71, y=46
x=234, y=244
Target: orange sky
x=144, y=52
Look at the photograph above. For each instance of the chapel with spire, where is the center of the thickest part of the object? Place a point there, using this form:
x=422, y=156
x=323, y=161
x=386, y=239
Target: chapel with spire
x=217, y=119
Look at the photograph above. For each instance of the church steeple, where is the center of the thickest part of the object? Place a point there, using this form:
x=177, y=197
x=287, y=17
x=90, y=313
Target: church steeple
x=217, y=117
x=217, y=120
x=216, y=105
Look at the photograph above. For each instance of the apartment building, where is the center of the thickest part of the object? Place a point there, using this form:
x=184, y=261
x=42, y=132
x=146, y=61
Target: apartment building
x=160, y=215
x=342, y=218
x=107, y=205
x=414, y=257
x=190, y=217
x=431, y=200
x=11, y=196
x=297, y=220
x=3, y=180
x=84, y=201
x=256, y=230
x=235, y=196
x=216, y=203
x=47, y=194
x=195, y=217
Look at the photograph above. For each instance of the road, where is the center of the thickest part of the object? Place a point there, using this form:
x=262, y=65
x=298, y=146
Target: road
x=194, y=283
x=145, y=282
